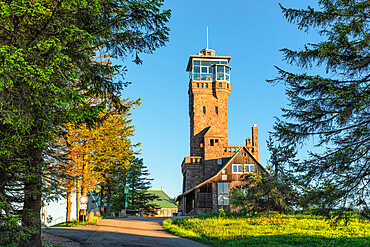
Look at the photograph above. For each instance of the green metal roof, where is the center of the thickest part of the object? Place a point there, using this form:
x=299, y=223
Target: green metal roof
x=166, y=201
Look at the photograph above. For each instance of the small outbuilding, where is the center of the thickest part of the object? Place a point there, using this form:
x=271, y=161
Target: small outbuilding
x=167, y=206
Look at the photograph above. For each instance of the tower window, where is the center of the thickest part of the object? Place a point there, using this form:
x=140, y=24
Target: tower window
x=216, y=110
x=202, y=85
x=220, y=84
x=211, y=142
x=206, y=85
x=204, y=109
x=216, y=141
x=197, y=84
x=227, y=85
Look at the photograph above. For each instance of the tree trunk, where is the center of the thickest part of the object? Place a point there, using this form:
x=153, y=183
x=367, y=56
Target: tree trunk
x=102, y=195
x=69, y=205
x=78, y=200
x=31, y=217
x=109, y=195
x=83, y=185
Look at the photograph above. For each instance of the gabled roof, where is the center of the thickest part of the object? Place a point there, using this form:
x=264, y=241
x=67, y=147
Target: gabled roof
x=165, y=201
x=218, y=173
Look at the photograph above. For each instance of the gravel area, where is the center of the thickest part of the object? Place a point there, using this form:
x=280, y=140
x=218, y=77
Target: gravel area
x=56, y=240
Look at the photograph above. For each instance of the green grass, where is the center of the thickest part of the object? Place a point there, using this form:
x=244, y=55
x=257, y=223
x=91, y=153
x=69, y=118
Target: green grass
x=270, y=230
x=75, y=223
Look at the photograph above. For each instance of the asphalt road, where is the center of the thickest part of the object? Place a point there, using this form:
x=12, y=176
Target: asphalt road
x=130, y=232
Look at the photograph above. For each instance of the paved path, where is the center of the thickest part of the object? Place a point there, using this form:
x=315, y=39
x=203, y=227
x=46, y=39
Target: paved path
x=130, y=232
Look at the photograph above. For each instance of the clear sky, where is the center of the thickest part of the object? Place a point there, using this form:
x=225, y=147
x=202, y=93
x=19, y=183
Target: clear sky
x=250, y=31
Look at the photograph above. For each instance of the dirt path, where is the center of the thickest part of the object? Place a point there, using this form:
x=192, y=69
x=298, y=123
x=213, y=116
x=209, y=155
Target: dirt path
x=124, y=232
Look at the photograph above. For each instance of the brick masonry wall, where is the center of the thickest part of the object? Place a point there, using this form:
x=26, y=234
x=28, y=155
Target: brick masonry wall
x=193, y=175
x=209, y=123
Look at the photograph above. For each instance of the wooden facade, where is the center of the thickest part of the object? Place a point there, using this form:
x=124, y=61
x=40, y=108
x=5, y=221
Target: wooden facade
x=206, y=197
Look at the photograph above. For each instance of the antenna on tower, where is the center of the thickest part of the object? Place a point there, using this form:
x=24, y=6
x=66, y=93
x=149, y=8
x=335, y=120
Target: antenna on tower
x=207, y=37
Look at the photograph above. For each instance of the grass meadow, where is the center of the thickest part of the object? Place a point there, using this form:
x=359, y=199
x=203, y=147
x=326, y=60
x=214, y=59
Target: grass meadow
x=270, y=230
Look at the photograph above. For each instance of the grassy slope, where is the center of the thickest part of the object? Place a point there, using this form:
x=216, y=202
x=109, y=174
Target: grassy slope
x=274, y=230
x=75, y=223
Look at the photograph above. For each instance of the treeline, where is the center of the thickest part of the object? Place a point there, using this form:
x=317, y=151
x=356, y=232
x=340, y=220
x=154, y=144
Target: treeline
x=83, y=158
x=50, y=72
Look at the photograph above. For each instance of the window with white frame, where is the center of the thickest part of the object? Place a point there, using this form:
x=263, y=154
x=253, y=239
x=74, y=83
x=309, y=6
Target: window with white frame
x=237, y=168
x=205, y=69
x=223, y=194
x=247, y=168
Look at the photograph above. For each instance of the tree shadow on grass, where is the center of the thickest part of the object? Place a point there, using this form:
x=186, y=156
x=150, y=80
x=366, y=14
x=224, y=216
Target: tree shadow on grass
x=287, y=240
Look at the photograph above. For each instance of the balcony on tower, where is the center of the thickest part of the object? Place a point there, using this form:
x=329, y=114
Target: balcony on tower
x=206, y=66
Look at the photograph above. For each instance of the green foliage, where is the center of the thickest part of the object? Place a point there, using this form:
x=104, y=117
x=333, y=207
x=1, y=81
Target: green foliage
x=47, y=51
x=264, y=193
x=11, y=229
x=221, y=213
x=269, y=191
x=138, y=183
x=330, y=107
x=270, y=230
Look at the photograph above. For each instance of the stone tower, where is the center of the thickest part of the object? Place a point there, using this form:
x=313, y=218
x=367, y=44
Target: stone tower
x=209, y=90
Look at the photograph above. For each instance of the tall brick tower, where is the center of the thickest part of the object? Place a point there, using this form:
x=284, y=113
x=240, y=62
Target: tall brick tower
x=209, y=90
x=213, y=167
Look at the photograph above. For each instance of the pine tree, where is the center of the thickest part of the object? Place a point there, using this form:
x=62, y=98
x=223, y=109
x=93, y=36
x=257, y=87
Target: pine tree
x=137, y=181
x=331, y=107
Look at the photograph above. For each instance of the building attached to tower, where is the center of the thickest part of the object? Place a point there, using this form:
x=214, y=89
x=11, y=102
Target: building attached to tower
x=213, y=166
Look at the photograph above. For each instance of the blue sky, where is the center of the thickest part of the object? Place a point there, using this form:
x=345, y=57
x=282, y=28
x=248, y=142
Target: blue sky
x=250, y=31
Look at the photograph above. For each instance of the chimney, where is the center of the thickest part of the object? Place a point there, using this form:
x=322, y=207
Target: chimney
x=255, y=141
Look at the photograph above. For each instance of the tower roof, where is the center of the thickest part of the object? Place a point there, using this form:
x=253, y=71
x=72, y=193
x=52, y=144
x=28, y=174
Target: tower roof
x=205, y=53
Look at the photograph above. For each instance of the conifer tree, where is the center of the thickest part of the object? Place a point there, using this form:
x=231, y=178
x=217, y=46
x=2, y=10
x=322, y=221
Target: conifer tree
x=330, y=107
x=272, y=190
x=45, y=50
x=113, y=148
x=138, y=183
